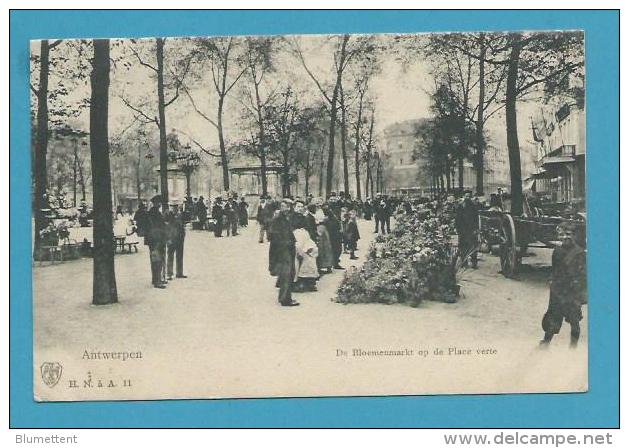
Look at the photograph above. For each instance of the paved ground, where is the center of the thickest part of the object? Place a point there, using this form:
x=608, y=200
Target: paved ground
x=221, y=333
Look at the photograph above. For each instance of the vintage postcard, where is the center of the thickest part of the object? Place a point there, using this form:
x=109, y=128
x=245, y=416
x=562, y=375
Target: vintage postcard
x=307, y=216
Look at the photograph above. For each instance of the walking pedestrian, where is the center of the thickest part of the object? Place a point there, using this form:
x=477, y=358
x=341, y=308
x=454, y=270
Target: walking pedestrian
x=567, y=288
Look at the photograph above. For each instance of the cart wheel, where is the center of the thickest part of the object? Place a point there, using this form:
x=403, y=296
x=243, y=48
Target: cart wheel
x=508, y=247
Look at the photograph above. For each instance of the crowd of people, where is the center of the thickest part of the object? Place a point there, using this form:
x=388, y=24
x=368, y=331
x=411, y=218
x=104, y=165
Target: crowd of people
x=307, y=238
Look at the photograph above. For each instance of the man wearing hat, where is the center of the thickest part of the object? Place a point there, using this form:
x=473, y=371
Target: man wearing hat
x=282, y=253
x=176, y=237
x=156, y=241
x=217, y=215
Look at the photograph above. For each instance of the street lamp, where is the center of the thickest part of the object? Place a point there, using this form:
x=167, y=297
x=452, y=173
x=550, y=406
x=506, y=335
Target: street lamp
x=187, y=161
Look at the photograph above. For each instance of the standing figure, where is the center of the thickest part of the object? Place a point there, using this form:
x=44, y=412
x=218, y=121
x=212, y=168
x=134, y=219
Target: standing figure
x=466, y=223
x=333, y=226
x=141, y=219
x=367, y=209
x=217, y=215
x=202, y=213
x=311, y=222
x=568, y=289
x=380, y=210
x=282, y=253
x=231, y=217
x=177, y=235
x=263, y=216
x=325, y=259
x=352, y=235
x=306, y=273
x=156, y=240
x=389, y=207
x=243, y=214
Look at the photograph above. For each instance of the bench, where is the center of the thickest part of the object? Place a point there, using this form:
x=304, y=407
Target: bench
x=50, y=253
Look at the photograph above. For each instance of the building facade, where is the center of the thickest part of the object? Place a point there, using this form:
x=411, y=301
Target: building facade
x=559, y=132
x=408, y=170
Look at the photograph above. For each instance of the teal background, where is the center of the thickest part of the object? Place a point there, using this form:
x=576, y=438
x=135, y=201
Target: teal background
x=597, y=408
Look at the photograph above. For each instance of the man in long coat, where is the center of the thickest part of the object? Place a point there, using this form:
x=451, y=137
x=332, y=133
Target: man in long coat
x=333, y=226
x=177, y=235
x=156, y=240
x=282, y=253
x=217, y=215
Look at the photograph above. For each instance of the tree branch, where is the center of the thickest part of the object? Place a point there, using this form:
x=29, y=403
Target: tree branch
x=139, y=112
x=178, y=83
x=564, y=71
x=145, y=64
x=199, y=145
x=235, y=81
x=312, y=76
x=197, y=110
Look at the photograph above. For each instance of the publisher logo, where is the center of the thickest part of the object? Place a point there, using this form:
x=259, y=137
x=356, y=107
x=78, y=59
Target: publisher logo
x=51, y=373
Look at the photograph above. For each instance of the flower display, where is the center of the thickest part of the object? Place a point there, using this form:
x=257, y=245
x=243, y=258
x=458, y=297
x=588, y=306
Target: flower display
x=414, y=262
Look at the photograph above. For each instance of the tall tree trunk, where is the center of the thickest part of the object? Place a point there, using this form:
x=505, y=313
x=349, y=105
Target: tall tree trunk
x=138, y=180
x=512, y=127
x=321, y=166
x=333, y=113
x=307, y=173
x=74, y=172
x=104, y=281
x=331, y=148
x=448, y=172
x=41, y=145
x=262, y=138
x=344, y=142
x=480, y=119
x=81, y=179
x=221, y=142
x=357, y=148
x=161, y=106
x=286, y=175
x=378, y=173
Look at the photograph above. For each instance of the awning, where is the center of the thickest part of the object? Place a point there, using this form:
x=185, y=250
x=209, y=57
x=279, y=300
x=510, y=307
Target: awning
x=557, y=159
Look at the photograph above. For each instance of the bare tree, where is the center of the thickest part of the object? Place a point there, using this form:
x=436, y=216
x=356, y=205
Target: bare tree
x=226, y=66
x=104, y=282
x=161, y=72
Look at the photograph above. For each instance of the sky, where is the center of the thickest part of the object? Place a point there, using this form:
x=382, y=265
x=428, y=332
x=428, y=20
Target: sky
x=400, y=92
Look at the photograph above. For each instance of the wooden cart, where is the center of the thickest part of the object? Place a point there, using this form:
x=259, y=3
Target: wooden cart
x=536, y=227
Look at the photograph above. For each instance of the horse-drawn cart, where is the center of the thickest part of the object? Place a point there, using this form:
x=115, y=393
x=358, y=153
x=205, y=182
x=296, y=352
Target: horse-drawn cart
x=535, y=228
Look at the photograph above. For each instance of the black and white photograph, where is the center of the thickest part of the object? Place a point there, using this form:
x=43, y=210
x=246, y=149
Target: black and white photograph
x=309, y=215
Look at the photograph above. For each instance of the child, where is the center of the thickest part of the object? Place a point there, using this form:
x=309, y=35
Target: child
x=325, y=259
x=567, y=288
x=351, y=234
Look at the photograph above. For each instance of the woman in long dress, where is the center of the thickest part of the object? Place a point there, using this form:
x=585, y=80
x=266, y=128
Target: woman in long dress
x=325, y=259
